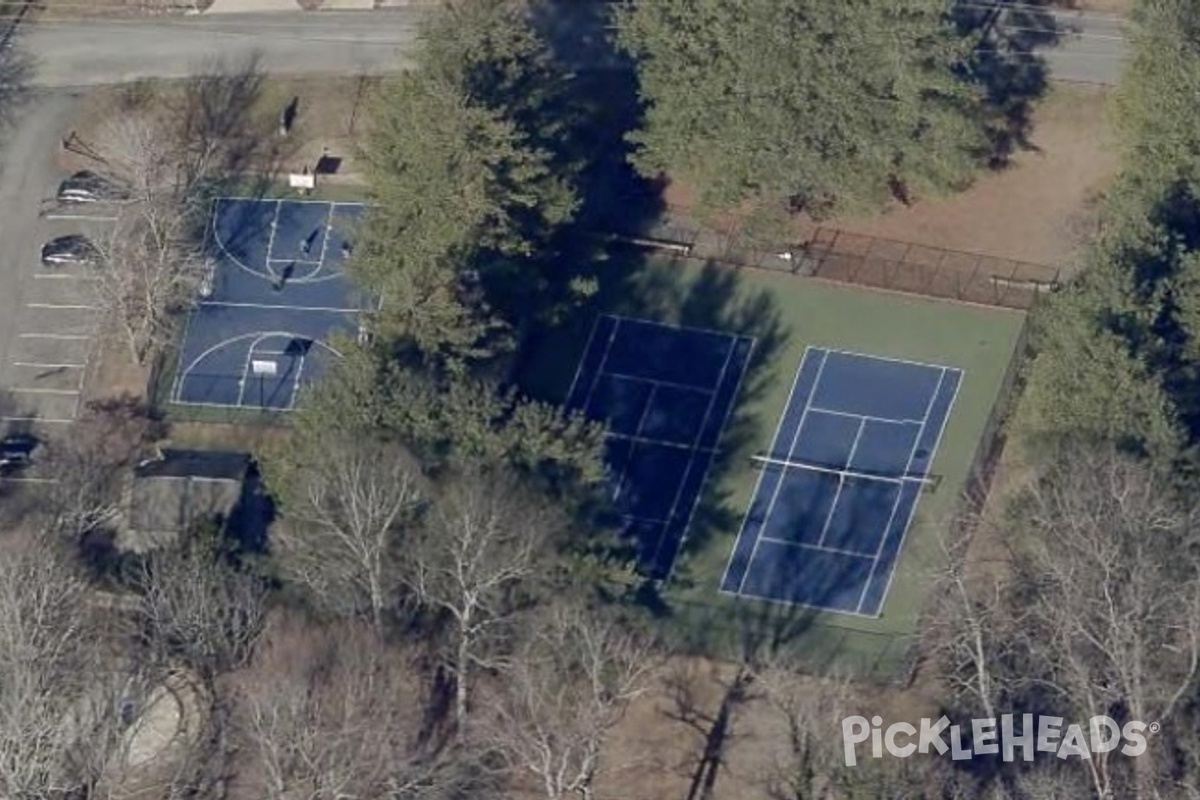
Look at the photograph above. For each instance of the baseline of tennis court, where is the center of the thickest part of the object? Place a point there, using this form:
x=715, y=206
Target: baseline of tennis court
x=838, y=489
x=666, y=393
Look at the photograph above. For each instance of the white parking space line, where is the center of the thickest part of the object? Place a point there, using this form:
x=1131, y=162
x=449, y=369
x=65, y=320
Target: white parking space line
x=36, y=365
x=81, y=216
x=26, y=390
x=63, y=276
x=64, y=336
x=38, y=420
x=63, y=306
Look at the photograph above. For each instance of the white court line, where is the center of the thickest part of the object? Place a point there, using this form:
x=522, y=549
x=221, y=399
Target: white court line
x=636, y=431
x=939, y=367
x=656, y=383
x=295, y=261
x=242, y=381
x=612, y=337
x=324, y=245
x=271, y=239
x=837, y=493
x=260, y=306
x=643, y=520
x=228, y=198
x=912, y=453
x=737, y=389
x=912, y=512
x=66, y=337
x=762, y=475
x=233, y=340
x=63, y=306
x=583, y=357
x=712, y=398
x=824, y=548
x=779, y=485
x=24, y=390
x=889, y=420
x=296, y=383
x=672, y=325
x=662, y=443
x=38, y=365
x=80, y=217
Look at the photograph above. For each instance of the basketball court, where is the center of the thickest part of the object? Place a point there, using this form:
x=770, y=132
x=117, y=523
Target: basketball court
x=275, y=295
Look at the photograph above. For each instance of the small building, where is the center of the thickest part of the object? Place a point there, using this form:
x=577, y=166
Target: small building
x=181, y=489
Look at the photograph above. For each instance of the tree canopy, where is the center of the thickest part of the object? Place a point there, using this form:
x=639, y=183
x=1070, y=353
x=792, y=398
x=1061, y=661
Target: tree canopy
x=816, y=105
x=462, y=177
x=1117, y=348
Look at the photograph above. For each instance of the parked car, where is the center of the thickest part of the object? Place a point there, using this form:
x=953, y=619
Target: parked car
x=16, y=452
x=72, y=249
x=88, y=187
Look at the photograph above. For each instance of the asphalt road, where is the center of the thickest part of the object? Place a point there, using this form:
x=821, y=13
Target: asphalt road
x=99, y=52
x=1090, y=49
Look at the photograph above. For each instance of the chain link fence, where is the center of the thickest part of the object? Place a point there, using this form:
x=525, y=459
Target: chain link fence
x=838, y=256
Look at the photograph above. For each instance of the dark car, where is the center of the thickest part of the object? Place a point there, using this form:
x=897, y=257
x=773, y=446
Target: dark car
x=16, y=451
x=72, y=249
x=88, y=187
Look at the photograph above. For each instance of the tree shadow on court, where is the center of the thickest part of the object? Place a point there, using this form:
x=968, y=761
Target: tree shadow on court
x=594, y=110
x=1007, y=67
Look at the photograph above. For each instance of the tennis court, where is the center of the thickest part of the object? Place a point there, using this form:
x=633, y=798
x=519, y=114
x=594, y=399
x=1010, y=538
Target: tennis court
x=666, y=393
x=275, y=294
x=838, y=489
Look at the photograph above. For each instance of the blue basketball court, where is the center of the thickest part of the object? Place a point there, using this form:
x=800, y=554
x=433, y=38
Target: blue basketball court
x=839, y=488
x=275, y=294
x=666, y=393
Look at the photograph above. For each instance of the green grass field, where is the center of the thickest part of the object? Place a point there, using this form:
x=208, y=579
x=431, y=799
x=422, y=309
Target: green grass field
x=787, y=314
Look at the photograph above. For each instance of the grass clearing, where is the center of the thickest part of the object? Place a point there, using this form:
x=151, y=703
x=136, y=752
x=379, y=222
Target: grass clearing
x=330, y=113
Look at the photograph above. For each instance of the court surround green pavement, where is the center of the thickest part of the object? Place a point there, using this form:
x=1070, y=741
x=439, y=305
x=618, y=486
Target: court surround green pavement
x=803, y=313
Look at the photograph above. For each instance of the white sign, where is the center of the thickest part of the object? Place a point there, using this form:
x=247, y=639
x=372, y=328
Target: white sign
x=302, y=180
x=263, y=368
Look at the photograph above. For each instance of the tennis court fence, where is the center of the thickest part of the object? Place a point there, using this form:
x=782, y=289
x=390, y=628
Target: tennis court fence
x=842, y=257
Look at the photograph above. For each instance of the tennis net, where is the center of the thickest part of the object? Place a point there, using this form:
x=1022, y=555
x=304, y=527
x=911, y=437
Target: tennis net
x=928, y=482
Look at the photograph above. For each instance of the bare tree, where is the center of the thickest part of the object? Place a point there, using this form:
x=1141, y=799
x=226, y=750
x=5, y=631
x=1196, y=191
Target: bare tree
x=166, y=155
x=334, y=713
x=348, y=498
x=566, y=689
x=814, y=765
x=151, y=269
x=197, y=607
x=970, y=629
x=483, y=543
x=139, y=153
x=88, y=465
x=58, y=686
x=1110, y=575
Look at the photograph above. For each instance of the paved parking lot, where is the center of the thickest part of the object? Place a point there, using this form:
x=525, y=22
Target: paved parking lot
x=49, y=317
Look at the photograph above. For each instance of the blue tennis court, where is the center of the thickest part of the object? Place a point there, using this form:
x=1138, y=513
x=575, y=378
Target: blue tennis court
x=666, y=393
x=276, y=293
x=839, y=488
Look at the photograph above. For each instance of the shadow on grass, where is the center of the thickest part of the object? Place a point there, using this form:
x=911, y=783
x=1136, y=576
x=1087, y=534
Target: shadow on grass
x=1007, y=68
